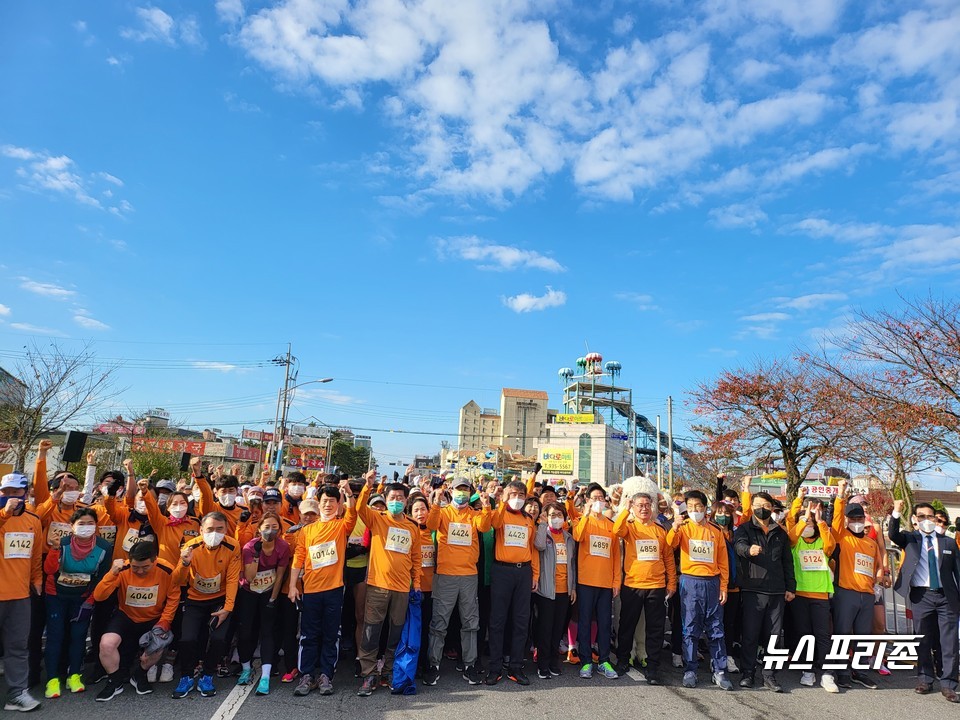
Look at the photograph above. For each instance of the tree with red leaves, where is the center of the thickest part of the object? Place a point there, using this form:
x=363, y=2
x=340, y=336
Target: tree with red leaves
x=772, y=410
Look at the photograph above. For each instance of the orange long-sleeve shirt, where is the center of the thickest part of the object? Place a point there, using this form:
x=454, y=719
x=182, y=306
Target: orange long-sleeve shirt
x=56, y=522
x=598, y=552
x=128, y=530
x=860, y=558
x=21, y=559
x=209, y=504
x=513, y=534
x=458, y=537
x=703, y=550
x=171, y=535
x=151, y=598
x=394, y=548
x=212, y=573
x=647, y=557
x=320, y=551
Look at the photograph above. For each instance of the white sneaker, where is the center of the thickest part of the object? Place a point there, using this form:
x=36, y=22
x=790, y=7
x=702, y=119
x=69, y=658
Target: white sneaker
x=829, y=684
x=677, y=661
x=166, y=673
x=152, y=674
x=732, y=665
x=24, y=702
x=808, y=679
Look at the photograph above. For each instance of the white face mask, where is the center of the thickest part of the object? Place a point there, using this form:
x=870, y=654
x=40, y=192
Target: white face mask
x=195, y=493
x=597, y=506
x=241, y=501
x=70, y=497
x=927, y=526
x=295, y=491
x=84, y=531
x=140, y=507
x=515, y=503
x=808, y=531
x=326, y=517
x=556, y=523
x=697, y=517
x=228, y=500
x=855, y=527
x=178, y=511
x=941, y=530
x=162, y=500
x=311, y=493
x=212, y=539
x=776, y=517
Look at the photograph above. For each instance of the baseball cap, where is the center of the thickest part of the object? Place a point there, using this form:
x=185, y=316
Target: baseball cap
x=14, y=481
x=309, y=506
x=462, y=482
x=272, y=495
x=168, y=485
x=375, y=499
x=854, y=510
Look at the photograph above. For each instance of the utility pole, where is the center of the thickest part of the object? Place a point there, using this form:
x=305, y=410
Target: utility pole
x=279, y=432
x=670, y=441
x=659, y=458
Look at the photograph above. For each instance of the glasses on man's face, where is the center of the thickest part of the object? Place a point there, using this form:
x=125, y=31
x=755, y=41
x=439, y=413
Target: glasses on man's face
x=925, y=517
x=644, y=505
x=941, y=521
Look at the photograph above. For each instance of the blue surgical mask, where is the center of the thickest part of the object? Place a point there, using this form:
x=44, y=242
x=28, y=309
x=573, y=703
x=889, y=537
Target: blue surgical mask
x=394, y=507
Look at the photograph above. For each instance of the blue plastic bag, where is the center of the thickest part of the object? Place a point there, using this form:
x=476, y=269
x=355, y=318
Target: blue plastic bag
x=408, y=650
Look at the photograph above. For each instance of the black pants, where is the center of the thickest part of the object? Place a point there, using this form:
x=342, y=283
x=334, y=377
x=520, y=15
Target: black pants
x=852, y=615
x=676, y=624
x=510, y=588
x=426, y=615
x=288, y=624
x=762, y=619
x=811, y=616
x=933, y=618
x=255, y=620
x=652, y=605
x=196, y=635
x=551, y=624
x=731, y=623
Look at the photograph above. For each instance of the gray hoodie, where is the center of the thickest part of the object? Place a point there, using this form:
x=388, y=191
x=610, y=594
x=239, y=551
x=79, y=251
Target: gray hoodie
x=543, y=541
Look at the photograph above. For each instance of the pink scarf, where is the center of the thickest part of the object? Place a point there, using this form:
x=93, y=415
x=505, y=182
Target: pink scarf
x=81, y=548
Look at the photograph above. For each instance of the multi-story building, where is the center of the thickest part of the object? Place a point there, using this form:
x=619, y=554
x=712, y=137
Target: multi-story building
x=523, y=419
x=584, y=453
x=479, y=427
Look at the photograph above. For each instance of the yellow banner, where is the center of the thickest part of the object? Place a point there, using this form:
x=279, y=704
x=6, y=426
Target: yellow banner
x=575, y=418
x=557, y=461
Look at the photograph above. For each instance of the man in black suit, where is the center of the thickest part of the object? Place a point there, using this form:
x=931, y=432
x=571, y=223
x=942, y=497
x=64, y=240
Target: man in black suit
x=930, y=579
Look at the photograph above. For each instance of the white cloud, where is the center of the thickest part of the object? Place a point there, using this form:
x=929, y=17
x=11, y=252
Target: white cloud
x=58, y=174
x=525, y=302
x=768, y=317
x=489, y=256
x=4, y=310
x=83, y=319
x=818, y=162
x=640, y=301
x=737, y=216
x=46, y=289
x=36, y=329
x=113, y=60
x=158, y=26
x=230, y=11
x=218, y=366
x=811, y=301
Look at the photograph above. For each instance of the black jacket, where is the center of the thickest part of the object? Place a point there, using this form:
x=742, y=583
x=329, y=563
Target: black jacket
x=770, y=572
x=912, y=545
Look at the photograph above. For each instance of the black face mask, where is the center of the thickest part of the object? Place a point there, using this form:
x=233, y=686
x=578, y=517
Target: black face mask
x=763, y=513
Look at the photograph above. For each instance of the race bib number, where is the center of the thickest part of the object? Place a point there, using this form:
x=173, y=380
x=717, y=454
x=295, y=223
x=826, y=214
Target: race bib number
x=515, y=535
x=130, y=539
x=700, y=551
x=561, y=550
x=73, y=579
x=323, y=555
x=355, y=540
x=398, y=540
x=57, y=531
x=108, y=533
x=648, y=549
x=460, y=534
x=17, y=545
x=207, y=586
x=600, y=546
x=812, y=560
x=263, y=581
x=863, y=564
x=428, y=555
x=142, y=597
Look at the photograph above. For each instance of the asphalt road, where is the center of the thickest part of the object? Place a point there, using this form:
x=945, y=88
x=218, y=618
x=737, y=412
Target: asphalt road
x=566, y=696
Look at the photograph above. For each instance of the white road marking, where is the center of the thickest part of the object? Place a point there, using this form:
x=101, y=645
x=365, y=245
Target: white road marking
x=634, y=675
x=232, y=702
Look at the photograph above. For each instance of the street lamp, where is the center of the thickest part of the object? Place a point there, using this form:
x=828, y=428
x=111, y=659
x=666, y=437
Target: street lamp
x=280, y=434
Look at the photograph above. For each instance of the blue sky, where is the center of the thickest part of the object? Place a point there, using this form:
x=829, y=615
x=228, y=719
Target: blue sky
x=433, y=200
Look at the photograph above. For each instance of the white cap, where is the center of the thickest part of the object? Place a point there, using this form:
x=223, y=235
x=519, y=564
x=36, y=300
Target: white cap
x=14, y=481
